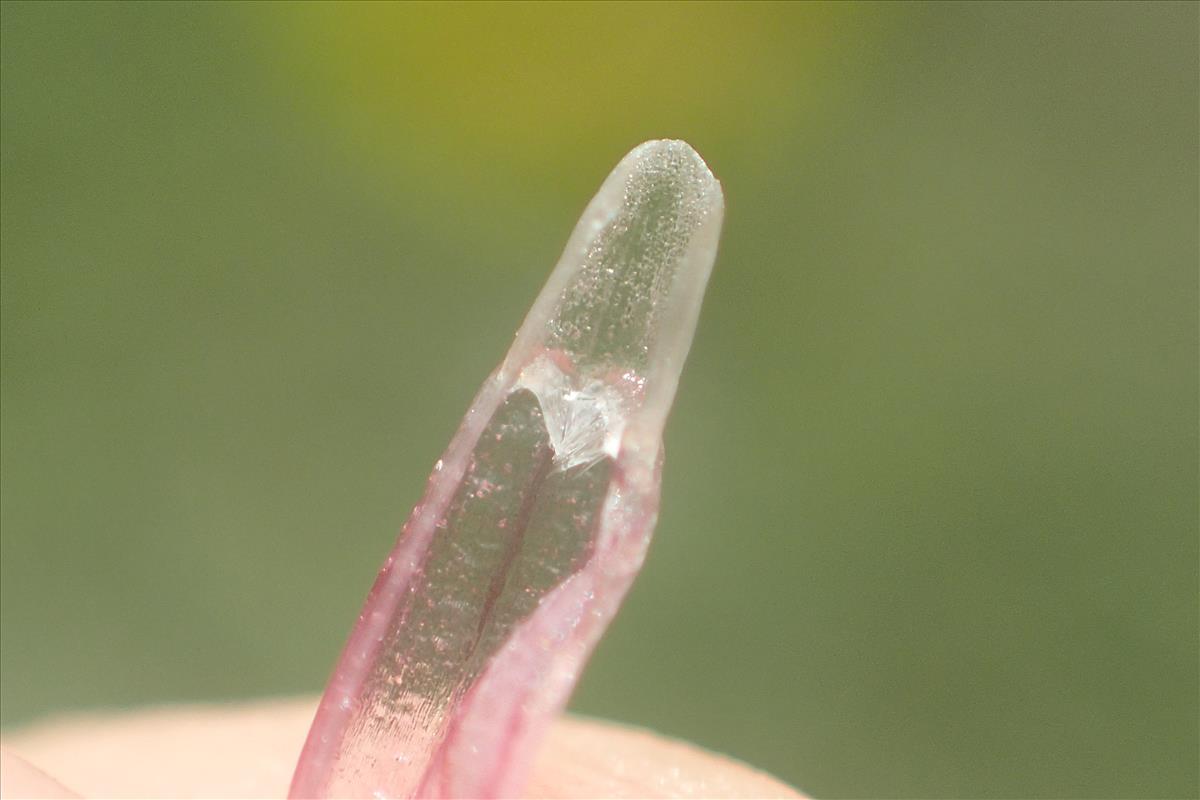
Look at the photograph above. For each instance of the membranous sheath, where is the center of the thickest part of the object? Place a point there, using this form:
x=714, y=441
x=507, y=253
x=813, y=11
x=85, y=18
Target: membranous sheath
x=536, y=519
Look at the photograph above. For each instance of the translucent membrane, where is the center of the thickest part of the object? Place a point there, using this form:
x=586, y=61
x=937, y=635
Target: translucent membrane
x=537, y=518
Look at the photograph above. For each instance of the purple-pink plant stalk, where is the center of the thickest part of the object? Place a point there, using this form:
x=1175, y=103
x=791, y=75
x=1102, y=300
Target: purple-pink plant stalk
x=537, y=518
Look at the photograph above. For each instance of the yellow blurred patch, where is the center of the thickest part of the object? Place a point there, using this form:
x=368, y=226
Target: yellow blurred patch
x=526, y=89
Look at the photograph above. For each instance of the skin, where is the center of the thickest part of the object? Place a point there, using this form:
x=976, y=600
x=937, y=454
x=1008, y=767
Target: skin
x=249, y=750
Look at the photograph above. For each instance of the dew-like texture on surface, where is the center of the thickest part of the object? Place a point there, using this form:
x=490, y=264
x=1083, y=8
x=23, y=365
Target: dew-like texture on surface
x=517, y=526
x=612, y=309
x=536, y=519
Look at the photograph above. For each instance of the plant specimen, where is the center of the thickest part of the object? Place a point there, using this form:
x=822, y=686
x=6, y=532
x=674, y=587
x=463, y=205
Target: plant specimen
x=537, y=517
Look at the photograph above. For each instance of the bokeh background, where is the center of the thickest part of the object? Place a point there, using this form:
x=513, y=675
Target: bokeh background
x=930, y=509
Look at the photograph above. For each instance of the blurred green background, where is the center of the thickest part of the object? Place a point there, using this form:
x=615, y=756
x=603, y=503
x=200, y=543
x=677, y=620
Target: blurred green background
x=930, y=507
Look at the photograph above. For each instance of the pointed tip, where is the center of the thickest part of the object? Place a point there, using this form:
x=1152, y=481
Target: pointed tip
x=621, y=295
x=674, y=159
x=676, y=149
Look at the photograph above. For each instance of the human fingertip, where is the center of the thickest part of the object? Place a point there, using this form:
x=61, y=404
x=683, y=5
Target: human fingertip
x=585, y=758
x=20, y=779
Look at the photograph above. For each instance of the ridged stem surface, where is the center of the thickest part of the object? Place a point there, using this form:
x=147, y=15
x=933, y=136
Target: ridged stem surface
x=537, y=517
